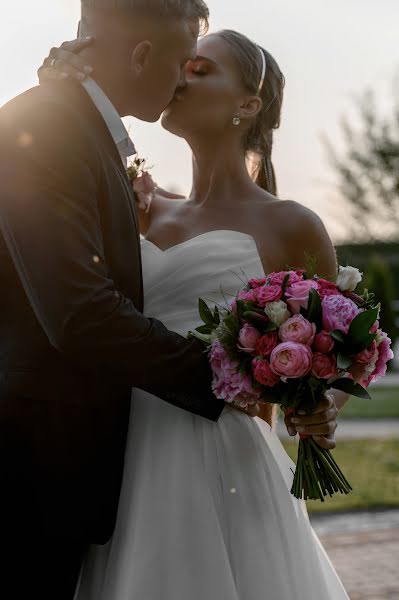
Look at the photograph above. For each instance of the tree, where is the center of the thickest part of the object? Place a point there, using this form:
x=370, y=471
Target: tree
x=378, y=279
x=368, y=172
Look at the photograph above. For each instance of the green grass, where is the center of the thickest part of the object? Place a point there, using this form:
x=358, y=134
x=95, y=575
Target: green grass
x=384, y=404
x=371, y=467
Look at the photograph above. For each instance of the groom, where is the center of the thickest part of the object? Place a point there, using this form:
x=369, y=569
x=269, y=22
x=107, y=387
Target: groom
x=73, y=338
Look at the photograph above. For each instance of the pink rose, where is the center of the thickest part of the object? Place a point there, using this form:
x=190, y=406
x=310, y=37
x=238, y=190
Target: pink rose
x=233, y=306
x=327, y=288
x=266, y=344
x=298, y=329
x=338, y=313
x=366, y=356
x=255, y=283
x=323, y=342
x=248, y=338
x=269, y=293
x=278, y=278
x=228, y=383
x=298, y=294
x=291, y=360
x=263, y=373
x=323, y=365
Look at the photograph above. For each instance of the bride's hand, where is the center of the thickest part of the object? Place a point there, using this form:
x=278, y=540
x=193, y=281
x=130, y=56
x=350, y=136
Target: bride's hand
x=64, y=62
x=321, y=425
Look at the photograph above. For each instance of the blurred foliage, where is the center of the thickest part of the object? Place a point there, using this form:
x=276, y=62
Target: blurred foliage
x=372, y=468
x=384, y=404
x=368, y=171
x=378, y=278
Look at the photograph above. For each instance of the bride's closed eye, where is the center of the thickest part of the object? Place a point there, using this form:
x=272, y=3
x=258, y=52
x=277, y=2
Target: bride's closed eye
x=196, y=68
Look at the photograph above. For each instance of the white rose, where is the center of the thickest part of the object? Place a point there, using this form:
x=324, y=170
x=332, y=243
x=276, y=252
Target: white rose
x=277, y=312
x=348, y=278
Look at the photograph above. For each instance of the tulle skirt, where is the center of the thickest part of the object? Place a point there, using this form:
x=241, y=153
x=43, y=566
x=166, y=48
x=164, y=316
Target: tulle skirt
x=206, y=514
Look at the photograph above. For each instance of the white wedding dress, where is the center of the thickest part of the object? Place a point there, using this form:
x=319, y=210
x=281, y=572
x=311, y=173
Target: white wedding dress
x=205, y=510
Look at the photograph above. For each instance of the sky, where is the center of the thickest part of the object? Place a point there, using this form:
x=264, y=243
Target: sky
x=329, y=51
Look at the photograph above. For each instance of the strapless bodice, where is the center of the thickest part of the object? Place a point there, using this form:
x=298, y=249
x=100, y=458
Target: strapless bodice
x=213, y=266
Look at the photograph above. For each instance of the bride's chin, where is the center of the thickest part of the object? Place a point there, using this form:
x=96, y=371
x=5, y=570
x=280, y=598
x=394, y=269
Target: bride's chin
x=171, y=123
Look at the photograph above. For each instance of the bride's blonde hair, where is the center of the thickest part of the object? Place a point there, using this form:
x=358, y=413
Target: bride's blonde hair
x=258, y=141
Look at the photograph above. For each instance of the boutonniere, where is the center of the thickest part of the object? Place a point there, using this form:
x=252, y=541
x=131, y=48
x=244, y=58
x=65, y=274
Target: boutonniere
x=142, y=183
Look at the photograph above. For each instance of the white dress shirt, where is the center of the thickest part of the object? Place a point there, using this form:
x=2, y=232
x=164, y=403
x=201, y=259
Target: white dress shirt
x=112, y=119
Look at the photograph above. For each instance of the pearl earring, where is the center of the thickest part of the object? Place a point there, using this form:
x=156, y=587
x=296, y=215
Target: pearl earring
x=236, y=121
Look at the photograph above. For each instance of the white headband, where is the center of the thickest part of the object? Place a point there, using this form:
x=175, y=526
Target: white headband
x=262, y=79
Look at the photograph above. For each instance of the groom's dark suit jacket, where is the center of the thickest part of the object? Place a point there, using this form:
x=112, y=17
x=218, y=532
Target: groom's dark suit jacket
x=73, y=341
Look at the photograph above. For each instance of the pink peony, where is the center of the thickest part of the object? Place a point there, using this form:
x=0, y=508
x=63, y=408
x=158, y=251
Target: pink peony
x=338, y=313
x=248, y=296
x=298, y=294
x=263, y=373
x=269, y=293
x=375, y=327
x=248, y=338
x=278, y=278
x=228, y=384
x=327, y=288
x=323, y=365
x=291, y=360
x=385, y=354
x=323, y=342
x=266, y=344
x=298, y=329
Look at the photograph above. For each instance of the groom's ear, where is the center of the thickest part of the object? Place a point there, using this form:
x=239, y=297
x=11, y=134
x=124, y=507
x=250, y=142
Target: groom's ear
x=250, y=108
x=141, y=57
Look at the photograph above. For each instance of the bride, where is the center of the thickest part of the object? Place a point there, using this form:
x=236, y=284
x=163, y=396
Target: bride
x=205, y=509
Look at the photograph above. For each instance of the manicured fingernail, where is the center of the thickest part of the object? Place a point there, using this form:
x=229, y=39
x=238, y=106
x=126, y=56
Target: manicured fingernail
x=63, y=75
x=300, y=429
x=88, y=38
x=295, y=420
x=301, y=412
x=88, y=69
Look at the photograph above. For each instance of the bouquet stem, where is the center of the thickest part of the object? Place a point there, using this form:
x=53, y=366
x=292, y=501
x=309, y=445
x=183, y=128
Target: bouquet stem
x=317, y=474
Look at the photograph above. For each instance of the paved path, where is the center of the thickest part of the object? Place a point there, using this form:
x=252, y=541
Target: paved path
x=353, y=429
x=364, y=548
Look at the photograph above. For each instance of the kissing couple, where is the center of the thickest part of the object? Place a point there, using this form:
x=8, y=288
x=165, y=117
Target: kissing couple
x=123, y=476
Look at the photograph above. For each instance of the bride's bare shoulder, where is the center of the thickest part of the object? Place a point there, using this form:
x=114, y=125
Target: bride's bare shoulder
x=300, y=233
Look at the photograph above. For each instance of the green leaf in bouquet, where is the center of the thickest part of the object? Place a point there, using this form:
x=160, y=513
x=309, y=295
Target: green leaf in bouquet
x=363, y=344
x=314, y=313
x=205, y=312
x=216, y=316
x=204, y=338
x=347, y=385
x=206, y=329
x=285, y=282
x=270, y=327
x=338, y=336
x=361, y=325
x=343, y=362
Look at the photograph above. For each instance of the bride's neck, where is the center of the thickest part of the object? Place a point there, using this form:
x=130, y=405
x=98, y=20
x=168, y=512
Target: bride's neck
x=219, y=175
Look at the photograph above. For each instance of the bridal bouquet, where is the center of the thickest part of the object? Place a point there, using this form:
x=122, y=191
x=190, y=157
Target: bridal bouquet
x=288, y=338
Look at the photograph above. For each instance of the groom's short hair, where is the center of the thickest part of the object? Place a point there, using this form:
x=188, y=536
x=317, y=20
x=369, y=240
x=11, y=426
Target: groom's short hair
x=177, y=9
